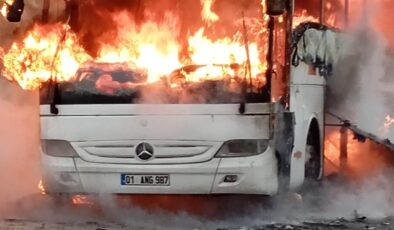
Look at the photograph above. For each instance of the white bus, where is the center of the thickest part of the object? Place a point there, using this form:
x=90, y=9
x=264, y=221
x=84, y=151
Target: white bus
x=97, y=139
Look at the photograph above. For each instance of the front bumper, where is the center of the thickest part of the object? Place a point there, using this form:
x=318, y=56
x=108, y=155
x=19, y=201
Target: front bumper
x=256, y=175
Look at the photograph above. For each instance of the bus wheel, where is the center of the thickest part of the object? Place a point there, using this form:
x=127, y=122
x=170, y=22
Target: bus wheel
x=313, y=165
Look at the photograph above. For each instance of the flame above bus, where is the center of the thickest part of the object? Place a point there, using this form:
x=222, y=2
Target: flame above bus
x=55, y=51
x=43, y=53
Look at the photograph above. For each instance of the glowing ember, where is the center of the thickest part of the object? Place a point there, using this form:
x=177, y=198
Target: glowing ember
x=388, y=122
x=207, y=15
x=41, y=187
x=4, y=7
x=80, y=200
x=264, y=9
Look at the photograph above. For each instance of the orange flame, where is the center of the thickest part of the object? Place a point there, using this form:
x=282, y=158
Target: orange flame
x=223, y=51
x=207, y=14
x=81, y=200
x=41, y=188
x=303, y=17
x=53, y=51
x=4, y=7
x=33, y=62
x=152, y=46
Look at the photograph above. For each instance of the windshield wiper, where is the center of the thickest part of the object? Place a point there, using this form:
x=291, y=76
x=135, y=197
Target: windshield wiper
x=53, y=85
x=248, y=70
x=54, y=98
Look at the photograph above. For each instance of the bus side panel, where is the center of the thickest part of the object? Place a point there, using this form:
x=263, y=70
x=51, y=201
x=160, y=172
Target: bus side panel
x=307, y=102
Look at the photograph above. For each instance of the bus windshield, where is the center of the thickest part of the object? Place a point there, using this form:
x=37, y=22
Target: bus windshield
x=120, y=84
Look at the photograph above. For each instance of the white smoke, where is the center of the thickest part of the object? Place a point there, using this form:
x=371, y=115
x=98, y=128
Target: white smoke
x=361, y=87
x=19, y=138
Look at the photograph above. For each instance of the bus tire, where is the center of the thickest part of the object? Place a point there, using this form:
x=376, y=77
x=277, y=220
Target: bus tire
x=313, y=156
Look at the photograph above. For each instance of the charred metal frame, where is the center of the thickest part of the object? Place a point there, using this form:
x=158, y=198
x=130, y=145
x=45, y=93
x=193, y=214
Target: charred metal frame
x=288, y=16
x=45, y=11
x=283, y=141
x=322, y=11
x=288, y=48
x=270, y=53
x=359, y=134
x=284, y=120
x=343, y=154
x=72, y=9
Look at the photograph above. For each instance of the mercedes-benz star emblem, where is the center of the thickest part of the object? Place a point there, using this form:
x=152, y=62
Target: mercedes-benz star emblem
x=144, y=151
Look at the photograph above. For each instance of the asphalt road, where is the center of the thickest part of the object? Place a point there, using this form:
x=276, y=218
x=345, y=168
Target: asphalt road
x=21, y=224
x=331, y=205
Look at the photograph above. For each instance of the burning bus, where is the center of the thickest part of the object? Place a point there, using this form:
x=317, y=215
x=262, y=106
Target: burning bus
x=237, y=116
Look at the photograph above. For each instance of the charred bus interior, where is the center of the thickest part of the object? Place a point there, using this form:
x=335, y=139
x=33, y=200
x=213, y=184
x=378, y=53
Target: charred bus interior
x=105, y=83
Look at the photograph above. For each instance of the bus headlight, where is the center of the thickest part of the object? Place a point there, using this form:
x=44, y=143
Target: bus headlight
x=242, y=148
x=58, y=148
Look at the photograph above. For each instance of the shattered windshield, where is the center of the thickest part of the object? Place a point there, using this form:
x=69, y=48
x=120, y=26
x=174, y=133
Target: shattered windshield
x=111, y=84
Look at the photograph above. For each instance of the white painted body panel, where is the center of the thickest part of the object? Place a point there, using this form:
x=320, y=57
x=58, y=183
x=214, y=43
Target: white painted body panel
x=186, y=139
x=307, y=93
x=155, y=127
x=156, y=109
x=257, y=175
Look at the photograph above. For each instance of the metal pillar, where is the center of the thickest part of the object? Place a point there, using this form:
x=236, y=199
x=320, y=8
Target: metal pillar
x=322, y=11
x=346, y=18
x=45, y=11
x=343, y=154
x=72, y=11
x=289, y=49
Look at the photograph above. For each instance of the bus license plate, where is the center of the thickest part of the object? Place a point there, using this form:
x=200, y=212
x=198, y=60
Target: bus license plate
x=150, y=180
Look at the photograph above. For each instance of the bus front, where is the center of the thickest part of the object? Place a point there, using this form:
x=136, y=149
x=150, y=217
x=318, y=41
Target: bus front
x=209, y=126
x=113, y=132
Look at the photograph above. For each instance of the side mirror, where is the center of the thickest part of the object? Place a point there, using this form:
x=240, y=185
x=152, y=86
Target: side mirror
x=15, y=10
x=276, y=7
